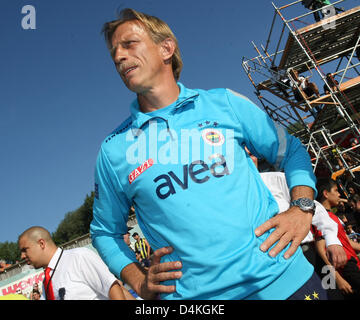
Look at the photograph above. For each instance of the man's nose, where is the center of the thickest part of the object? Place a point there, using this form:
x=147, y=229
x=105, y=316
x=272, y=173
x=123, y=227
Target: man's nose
x=22, y=256
x=120, y=54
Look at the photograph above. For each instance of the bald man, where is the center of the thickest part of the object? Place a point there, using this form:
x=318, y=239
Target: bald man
x=75, y=274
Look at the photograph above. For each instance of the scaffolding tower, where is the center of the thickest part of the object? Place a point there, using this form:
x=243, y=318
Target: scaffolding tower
x=325, y=53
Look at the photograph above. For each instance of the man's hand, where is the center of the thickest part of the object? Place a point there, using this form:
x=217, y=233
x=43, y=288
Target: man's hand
x=159, y=272
x=336, y=255
x=343, y=285
x=290, y=226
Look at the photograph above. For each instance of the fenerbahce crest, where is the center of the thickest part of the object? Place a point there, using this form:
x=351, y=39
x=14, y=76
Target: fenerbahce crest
x=213, y=137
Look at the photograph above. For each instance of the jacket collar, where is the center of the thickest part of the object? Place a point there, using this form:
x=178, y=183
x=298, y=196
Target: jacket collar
x=139, y=118
x=55, y=258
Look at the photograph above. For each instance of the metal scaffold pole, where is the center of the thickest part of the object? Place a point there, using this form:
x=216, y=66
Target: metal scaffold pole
x=333, y=115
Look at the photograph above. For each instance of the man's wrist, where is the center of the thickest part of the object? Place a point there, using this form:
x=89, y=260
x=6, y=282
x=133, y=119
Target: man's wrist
x=134, y=275
x=304, y=204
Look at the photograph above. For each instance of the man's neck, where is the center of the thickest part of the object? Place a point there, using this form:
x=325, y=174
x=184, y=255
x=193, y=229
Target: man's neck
x=326, y=205
x=158, y=97
x=51, y=254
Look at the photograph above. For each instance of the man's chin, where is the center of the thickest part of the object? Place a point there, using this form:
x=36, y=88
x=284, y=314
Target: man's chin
x=136, y=87
x=31, y=264
x=133, y=87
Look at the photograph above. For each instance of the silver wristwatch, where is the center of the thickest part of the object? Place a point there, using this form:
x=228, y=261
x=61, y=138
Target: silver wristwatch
x=305, y=204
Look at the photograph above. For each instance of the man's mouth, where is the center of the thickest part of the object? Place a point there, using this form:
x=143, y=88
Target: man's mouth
x=128, y=70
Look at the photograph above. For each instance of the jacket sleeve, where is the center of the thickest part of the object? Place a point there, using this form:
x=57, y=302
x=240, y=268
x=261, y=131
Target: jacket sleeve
x=266, y=139
x=95, y=272
x=326, y=225
x=110, y=214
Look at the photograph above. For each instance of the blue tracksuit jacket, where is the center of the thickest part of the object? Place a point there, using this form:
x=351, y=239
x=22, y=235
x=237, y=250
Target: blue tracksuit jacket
x=194, y=188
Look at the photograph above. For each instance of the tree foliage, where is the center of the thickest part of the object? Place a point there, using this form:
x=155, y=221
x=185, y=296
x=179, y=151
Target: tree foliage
x=9, y=251
x=76, y=223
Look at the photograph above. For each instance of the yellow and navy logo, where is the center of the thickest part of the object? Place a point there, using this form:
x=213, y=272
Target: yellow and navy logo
x=213, y=137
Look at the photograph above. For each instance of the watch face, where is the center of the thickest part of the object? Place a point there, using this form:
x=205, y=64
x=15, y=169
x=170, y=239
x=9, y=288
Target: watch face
x=306, y=204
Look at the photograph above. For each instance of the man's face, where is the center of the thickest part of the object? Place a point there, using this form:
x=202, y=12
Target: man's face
x=357, y=206
x=31, y=251
x=137, y=58
x=127, y=238
x=36, y=296
x=352, y=205
x=333, y=196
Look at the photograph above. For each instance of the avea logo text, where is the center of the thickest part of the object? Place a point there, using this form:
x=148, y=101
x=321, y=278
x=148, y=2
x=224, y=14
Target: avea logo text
x=198, y=172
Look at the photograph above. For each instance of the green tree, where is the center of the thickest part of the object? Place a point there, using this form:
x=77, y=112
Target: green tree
x=76, y=223
x=9, y=251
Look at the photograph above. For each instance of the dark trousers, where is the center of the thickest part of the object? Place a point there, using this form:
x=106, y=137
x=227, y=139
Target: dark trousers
x=312, y=256
x=351, y=273
x=311, y=290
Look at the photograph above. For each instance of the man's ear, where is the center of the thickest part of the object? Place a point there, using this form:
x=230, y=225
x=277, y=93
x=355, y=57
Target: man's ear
x=325, y=194
x=42, y=243
x=167, y=48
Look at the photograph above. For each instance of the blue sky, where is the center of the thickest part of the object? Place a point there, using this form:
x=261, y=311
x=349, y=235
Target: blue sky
x=60, y=94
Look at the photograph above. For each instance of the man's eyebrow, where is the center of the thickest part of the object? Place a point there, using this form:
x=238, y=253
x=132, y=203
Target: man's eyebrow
x=118, y=43
x=121, y=43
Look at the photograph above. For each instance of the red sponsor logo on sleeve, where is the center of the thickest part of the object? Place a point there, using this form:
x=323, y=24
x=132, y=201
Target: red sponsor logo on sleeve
x=139, y=170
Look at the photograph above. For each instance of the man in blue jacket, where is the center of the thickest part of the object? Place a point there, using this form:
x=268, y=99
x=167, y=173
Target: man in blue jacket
x=179, y=159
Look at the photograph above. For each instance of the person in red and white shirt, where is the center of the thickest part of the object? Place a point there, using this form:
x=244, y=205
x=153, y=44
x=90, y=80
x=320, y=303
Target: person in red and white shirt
x=348, y=276
x=276, y=183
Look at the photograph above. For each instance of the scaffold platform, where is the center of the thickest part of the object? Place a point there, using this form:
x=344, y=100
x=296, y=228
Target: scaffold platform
x=326, y=40
x=349, y=96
